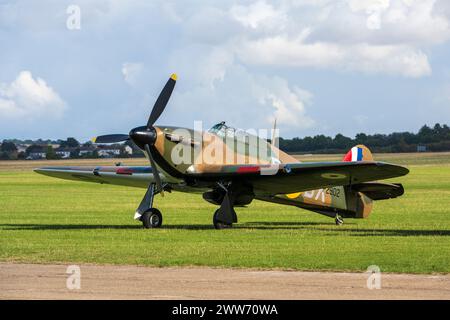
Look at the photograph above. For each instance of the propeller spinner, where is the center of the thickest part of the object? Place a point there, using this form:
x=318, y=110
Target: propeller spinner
x=145, y=136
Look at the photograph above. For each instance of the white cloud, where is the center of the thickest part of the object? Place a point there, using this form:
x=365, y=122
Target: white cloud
x=370, y=36
x=236, y=61
x=288, y=105
x=395, y=22
x=29, y=98
x=224, y=51
x=209, y=25
x=259, y=15
x=209, y=66
x=245, y=100
x=368, y=6
x=131, y=72
x=386, y=59
x=325, y=33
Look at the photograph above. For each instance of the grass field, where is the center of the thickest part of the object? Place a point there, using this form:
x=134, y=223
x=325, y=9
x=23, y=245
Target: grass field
x=49, y=220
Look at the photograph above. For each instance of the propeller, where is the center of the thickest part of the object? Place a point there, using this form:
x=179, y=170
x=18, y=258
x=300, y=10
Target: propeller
x=145, y=136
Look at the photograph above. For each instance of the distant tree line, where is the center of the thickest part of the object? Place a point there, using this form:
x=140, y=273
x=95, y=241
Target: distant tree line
x=436, y=138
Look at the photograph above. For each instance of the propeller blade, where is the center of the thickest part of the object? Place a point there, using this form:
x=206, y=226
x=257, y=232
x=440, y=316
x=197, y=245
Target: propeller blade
x=162, y=100
x=154, y=170
x=110, y=138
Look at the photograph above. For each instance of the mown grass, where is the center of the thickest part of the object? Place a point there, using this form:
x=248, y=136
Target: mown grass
x=49, y=220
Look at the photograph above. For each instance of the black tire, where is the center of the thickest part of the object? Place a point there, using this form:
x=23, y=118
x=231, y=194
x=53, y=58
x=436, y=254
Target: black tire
x=152, y=218
x=220, y=224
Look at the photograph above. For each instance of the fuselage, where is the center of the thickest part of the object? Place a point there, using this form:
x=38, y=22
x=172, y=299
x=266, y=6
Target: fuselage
x=200, y=150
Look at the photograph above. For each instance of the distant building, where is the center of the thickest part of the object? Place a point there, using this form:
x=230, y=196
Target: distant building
x=64, y=153
x=36, y=155
x=113, y=150
x=22, y=147
x=36, y=152
x=86, y=151
x=421, y=148
x=108, y=151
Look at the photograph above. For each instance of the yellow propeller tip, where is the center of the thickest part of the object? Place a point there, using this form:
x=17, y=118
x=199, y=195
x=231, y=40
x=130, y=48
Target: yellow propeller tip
x=94, y=139
x=173, y=76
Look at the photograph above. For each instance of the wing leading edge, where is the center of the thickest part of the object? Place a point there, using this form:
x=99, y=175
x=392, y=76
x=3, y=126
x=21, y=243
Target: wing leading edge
x=125, y=176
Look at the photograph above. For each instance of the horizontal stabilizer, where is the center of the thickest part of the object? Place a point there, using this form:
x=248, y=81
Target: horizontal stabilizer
x=379, y=191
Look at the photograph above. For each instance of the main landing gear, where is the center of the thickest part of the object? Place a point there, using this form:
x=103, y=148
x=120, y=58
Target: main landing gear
x=225, y=216
x=149, y=216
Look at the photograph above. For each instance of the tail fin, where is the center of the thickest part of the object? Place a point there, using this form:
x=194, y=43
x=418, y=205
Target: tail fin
x=358, y=153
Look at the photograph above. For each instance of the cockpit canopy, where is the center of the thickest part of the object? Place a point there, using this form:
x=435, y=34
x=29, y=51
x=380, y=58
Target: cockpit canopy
x=245, y=142
x=224, y=131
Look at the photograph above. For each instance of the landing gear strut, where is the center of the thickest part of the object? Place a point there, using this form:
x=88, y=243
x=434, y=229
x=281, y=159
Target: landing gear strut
x=149, y=216
x=338, y=220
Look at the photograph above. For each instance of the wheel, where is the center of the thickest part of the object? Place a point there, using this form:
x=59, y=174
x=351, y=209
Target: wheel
x=220, y=224
x=152, y=218
x=338, y=220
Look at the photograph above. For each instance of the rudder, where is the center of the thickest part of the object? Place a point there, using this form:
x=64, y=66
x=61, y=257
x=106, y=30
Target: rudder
x=358, y=153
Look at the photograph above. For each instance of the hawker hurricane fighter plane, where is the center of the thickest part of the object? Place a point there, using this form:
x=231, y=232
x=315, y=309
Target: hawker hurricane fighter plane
x=227, y=167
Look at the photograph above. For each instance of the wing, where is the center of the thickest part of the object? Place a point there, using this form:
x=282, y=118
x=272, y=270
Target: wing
x=125, y=176
x=265, y=179
x=296, y=177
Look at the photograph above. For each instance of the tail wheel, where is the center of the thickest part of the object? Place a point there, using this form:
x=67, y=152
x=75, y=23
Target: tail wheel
x=220, y=224
x=152, y=218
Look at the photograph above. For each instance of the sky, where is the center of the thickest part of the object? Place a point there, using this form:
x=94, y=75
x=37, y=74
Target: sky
x=89, y=67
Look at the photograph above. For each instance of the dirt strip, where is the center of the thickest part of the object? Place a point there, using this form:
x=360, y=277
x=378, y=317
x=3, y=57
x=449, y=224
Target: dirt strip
x=37, y=281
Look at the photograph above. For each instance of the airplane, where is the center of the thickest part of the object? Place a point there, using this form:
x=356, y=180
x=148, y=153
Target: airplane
x=337, y=189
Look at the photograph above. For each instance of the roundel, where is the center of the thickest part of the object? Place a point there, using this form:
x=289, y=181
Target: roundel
x=293, y=195
x=331, y=175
